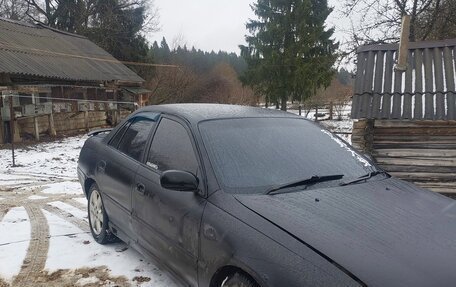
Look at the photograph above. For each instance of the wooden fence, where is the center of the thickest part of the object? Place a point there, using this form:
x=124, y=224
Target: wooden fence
x=426, y=90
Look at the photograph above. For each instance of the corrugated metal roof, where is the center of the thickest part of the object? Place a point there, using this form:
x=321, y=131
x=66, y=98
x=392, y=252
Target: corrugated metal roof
x=37, y=50
x=137, y=90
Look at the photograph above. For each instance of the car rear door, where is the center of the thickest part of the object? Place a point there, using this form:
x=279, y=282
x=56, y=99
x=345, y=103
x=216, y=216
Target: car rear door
x=167, y=222
x=116, y=171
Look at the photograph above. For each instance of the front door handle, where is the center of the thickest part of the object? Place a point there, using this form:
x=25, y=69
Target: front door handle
x=141, y=188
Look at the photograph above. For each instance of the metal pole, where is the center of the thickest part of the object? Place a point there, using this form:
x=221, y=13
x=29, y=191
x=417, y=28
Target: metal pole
x=12, y=128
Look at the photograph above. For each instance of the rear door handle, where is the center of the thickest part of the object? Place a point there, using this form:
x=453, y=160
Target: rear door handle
x=101, y=166
x=141, y=188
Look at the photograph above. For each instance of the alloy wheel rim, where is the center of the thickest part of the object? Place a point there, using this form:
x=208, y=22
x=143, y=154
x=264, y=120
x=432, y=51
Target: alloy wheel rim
x=96, y=212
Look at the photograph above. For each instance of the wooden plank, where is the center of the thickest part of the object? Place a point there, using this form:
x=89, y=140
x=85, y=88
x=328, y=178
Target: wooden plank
x=407, y=107
x=397, y=98
x=412, y=45
x=419, y=162
x=415, y=168
x=443, y=130
x=378, y=81
x=359, y=124
x=440, y=112
x=429, y=85
x=406, y=124
x=449, y=185
x=398, y=138
x=418, y=111
x=366, y=99
x=358, y=85
x=450, y=82
x=415, y=153
x=388, y=79
x=434, y=145
x=425, y=176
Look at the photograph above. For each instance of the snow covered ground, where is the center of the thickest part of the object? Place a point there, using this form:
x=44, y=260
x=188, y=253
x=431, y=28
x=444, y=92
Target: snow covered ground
x=44, y=233
x=342, y=127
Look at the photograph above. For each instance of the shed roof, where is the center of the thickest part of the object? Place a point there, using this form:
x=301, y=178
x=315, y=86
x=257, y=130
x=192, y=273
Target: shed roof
x=38, y=50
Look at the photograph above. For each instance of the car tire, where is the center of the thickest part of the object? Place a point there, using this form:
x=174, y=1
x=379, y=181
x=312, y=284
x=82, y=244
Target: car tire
x=239, y=280
x=98, y=219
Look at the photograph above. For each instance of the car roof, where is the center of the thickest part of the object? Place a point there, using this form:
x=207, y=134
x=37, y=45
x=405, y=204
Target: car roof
x=195, y=113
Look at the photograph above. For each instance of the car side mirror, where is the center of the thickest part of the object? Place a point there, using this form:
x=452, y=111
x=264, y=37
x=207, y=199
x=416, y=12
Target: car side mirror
x=179, y=180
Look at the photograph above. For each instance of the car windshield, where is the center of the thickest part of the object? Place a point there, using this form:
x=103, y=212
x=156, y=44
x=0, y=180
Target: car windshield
x=252, y=155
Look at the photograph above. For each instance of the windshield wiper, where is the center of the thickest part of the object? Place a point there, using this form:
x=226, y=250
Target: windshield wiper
x=309, y=181
x=364, y=177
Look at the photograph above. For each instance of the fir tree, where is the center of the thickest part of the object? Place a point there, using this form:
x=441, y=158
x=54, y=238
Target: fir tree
x=290, y=52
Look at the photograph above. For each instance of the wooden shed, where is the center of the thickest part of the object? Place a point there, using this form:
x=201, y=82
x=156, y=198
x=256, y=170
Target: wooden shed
x=58, y=82
x=406, y=119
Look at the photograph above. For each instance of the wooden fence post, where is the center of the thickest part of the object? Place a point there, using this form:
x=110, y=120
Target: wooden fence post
x=51, y=131
x=35, y=120
x=369, y=136
x=86, y=112
x=331, y=107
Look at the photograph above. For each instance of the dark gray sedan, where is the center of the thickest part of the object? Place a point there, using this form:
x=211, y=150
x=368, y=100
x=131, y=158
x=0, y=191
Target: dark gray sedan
x=239, y=196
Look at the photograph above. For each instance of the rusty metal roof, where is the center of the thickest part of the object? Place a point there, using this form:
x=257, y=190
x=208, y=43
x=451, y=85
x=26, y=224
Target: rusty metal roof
x=38, y=50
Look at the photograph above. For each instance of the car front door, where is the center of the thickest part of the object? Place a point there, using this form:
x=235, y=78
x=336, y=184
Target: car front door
x=116, y=171
x=167, y=222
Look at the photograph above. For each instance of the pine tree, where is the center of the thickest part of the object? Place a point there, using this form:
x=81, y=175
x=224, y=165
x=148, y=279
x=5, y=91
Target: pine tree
x=290, y=52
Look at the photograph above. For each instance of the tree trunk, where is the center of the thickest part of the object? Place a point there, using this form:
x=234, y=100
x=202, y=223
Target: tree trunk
x=283, y=103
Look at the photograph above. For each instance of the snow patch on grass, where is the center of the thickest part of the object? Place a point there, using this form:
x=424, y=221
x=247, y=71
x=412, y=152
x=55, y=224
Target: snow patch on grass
x=66, y=187
x=36, y=197
x=82, y=200
x=14, y=241
x=57, y=158
x=70, y=248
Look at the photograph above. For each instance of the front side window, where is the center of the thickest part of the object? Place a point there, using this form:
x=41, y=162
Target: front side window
x=135, y=137
x=172, y=148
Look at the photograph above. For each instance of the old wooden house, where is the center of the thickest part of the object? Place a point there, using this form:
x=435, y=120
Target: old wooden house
x=406, y=118
x=56, y=82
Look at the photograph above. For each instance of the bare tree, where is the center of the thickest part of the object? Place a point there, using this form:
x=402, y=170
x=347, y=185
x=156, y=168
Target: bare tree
x=171, y=85
x=14, y=10
x=379, y=21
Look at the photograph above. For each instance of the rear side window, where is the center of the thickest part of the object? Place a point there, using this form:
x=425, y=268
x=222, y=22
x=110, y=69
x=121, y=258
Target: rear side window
x=134, y=140
x=172, y=148
x=118, y=136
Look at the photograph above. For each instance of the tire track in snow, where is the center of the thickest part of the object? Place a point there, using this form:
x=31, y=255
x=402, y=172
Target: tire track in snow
x=81, y=224
x=76, y=204
x=35, y=260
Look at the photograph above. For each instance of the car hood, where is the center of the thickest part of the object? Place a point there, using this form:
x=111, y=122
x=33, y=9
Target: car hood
x=386, y=232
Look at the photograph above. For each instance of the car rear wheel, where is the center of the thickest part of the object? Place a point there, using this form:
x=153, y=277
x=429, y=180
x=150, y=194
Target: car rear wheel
x=98, y=219
x=238, y=280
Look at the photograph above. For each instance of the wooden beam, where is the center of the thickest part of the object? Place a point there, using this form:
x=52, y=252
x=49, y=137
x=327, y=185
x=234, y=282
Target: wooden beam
x=404, y=44
x=35, y=120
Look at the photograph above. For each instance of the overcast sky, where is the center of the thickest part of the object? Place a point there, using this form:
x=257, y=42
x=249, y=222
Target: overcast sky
x=215, y=24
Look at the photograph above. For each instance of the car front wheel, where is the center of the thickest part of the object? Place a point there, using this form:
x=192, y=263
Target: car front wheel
x=98, y=219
